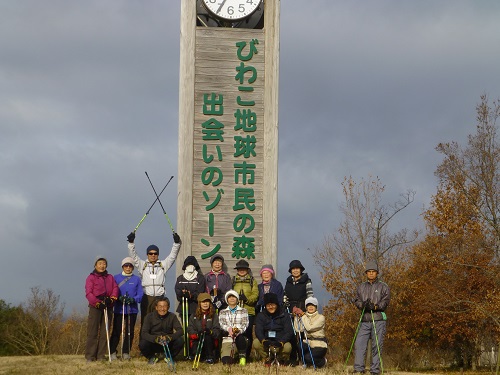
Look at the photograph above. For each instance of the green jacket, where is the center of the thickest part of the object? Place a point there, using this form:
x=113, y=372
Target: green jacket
x=247, y=285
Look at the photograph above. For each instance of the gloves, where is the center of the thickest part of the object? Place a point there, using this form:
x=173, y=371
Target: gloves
x=131, y=237
x=218, y=304
x=129, y=300
x=100, y=305
x=208, y=331
x=193, y=336
x=297, y=311
x=243, y=297
x=109, y=301
x=236, y=330
x=186, y=294
x=366, y=304
x=122, y=299
x=177, y=238
x=371, y=306
x=162, y=340
x=276, y=344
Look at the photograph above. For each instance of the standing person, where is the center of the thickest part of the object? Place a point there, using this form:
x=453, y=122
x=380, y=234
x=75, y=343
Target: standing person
x=218, y=282
x=190, y=284
x=233, y=322
x=268, y=285
x=298, y=287
x=273, y=327
x=160, y=327
x=314, y=325
x=204, y=320
x=101, y=292
x=130, y=295
x=152, y=271
x=246, y=286
x=372, y=298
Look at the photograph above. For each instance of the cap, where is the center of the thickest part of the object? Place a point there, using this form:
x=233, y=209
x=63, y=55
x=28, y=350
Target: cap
x=371, y=266
x=203, y=297
x=311, y=301
x=100, y=257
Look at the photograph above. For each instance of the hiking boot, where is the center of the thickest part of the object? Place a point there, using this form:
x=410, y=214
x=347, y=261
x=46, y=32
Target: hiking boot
x=152, y=360
x=113, y=356
x=209, y=361
x=126, y=356
x=243, y=361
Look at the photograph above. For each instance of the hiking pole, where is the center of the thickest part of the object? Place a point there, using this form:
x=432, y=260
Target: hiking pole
x=354, y=339
x=199, y=349
x=184, y=326
x=158, y=197
x=147, y=212
x=378, y=347
x=297, y=337
x=128, y=328
x=168, y=357
x=232, y=352
x=123, y=325
x=107, y=331
x=307, y=342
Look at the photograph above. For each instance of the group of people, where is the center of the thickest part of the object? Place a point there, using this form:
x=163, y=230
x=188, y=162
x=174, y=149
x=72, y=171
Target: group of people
x=223, y=317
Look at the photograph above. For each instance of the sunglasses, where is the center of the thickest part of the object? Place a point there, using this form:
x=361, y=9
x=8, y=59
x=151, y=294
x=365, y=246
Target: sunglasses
x=152, y=253
x=128, y=265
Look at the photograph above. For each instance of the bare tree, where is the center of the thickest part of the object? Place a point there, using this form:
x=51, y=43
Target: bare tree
x=38, y=322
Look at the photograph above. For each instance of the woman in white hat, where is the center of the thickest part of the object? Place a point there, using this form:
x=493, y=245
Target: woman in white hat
x=313, y=323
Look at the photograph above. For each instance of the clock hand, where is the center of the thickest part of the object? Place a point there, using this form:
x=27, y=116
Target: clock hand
x=221, y=5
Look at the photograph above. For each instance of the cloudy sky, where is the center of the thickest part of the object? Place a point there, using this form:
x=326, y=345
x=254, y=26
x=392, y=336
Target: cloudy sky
x=89, y=101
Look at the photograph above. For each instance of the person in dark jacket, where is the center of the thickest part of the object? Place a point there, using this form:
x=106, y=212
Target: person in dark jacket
x=298, y=288
x=273, y=327
x=372, y=298
x=160, y=327
x=130, y=296
x=190, y=284
x=268, y=285
x=204, y=320
x=101, y=291
x=218, y=282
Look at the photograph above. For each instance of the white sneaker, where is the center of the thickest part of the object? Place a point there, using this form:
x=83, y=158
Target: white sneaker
x=126, y=356
x=113, y=356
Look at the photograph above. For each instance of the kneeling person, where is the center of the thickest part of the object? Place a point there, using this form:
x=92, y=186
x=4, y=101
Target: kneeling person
x=233, y=322
x=273, y=328
x=160, y=328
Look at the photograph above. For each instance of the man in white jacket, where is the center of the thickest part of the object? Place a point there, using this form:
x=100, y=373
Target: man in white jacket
x=152, y=271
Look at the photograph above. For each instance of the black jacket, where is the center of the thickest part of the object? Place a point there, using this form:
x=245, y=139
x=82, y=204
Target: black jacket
x=155, y=326
x=280, y=323
x=195, y=287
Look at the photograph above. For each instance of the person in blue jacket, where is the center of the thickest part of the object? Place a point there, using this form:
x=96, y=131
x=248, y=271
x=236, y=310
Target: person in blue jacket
x=130, y=296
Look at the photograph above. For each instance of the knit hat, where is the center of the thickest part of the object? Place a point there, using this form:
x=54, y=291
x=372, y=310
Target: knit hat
x=231, y=293
x=215, y=257
x=152, y=247
x=311, y=301
x=127, y=260
x=295, y=264
x=271, y=298
x=191, y=260
x=100, y=257
x=242, y=264
x=267, y=267
x=203, y=297
x=371, y=266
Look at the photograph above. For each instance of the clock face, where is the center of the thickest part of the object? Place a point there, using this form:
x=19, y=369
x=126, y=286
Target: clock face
x=231, y=10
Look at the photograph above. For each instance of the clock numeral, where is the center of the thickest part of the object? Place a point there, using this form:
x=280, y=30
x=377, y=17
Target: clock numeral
x=230, y=10
x=250, y=2
x=241, y=8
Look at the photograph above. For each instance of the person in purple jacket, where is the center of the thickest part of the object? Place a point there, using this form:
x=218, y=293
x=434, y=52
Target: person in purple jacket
x=268, y=285
x=101, y=291
x=130, y=295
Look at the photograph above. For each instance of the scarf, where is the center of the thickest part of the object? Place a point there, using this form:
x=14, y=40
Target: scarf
x=190, y=273
x=127, y=274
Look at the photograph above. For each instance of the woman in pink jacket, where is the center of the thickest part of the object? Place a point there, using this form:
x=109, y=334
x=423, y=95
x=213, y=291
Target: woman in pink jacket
x=101, y=291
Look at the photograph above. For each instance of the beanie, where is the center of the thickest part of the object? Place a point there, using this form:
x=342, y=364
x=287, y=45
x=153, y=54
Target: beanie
x=267, y=267
x=152, y=247
x=271, y=298
x=371, y=266
x=215, y=257
x=127, y=260
x=100, y=257
x=311, y=301
x=231, y=293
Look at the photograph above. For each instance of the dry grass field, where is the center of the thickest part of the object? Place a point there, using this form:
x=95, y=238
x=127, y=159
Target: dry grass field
x=75, y=364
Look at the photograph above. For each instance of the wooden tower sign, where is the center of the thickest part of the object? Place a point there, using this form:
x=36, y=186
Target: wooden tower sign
x=228, y=131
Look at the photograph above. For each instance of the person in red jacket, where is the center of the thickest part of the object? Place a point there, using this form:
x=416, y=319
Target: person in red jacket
x=101, y=291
